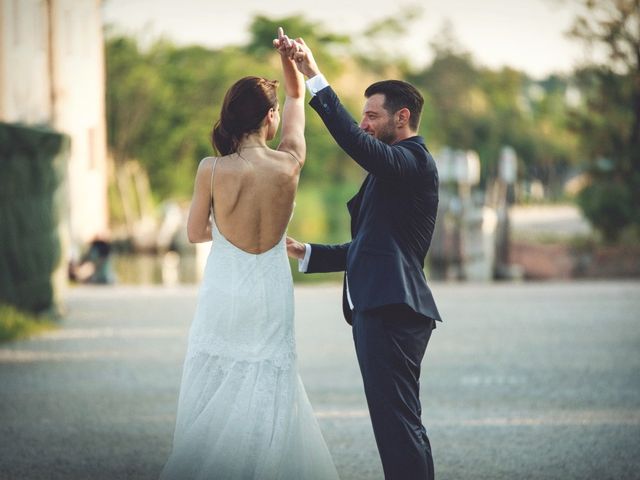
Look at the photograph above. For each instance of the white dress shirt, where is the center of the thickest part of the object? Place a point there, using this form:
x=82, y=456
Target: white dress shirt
x=317, y=83
x=303, y=265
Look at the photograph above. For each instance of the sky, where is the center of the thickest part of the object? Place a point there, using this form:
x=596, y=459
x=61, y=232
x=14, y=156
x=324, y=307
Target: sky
x=528, y=35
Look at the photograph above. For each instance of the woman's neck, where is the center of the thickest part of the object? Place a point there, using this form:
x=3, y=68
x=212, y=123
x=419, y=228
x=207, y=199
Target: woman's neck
x=254, y=140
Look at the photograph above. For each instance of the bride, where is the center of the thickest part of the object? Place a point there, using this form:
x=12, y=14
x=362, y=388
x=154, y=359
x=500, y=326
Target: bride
x=242, y=411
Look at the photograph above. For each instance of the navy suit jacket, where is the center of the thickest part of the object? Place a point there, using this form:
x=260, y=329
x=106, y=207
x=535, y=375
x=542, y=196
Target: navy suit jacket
x=392, y=217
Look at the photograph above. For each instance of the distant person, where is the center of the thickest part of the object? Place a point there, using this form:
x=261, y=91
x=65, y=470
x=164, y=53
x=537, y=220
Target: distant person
x=96, y=265
x=243, y=412
x=385, y=295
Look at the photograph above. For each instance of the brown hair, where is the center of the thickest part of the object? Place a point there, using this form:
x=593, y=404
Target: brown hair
x=398, y=95
x=244, y=107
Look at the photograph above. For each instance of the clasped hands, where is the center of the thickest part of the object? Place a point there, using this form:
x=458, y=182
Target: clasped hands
x=298, y=51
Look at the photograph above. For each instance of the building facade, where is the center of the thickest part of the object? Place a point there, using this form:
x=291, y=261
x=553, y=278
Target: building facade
x=52, y=73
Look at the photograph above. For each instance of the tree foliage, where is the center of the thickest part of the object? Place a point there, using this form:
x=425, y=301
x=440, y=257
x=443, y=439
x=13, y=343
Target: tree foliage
x=608, y=119
x=162, y=102
x=482, y=109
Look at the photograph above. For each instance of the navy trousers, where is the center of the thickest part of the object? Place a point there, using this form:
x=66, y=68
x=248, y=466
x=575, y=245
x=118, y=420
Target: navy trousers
x=390, y=343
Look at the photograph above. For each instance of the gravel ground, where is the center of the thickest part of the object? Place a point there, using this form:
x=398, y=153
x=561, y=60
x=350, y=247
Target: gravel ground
x=522, y=381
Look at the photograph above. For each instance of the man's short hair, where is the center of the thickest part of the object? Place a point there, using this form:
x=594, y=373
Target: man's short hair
x=398, y=95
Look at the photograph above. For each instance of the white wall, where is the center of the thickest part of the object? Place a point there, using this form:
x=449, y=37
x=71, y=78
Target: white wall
x=57, y=77
x=79, y=110
x=24, y=69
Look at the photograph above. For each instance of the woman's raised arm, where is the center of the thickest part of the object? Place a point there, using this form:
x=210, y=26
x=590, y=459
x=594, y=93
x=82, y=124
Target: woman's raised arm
x=292, y=138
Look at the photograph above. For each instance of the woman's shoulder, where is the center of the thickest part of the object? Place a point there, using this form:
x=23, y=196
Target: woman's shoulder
x=288, y=158
x=279, y=162
x=207, y=163
x=205, y=167
x=221, y=163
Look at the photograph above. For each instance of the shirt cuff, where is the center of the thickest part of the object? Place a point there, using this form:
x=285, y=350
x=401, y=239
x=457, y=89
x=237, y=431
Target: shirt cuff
x=304, y=263
x=317, y=83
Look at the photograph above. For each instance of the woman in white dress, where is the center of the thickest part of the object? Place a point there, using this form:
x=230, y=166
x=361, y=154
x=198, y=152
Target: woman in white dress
x=243, y=412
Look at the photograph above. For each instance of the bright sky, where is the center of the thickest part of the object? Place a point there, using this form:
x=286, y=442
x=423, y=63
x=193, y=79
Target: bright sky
x=525, y=34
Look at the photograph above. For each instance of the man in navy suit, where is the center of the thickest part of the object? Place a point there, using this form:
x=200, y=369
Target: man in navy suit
x=385, y=297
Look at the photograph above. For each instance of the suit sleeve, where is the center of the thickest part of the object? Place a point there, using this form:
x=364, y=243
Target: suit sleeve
x=376, y=157
x=328, y=258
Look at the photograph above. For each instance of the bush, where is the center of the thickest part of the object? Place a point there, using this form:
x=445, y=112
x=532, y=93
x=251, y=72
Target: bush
x=33, y=162
x=608, y=205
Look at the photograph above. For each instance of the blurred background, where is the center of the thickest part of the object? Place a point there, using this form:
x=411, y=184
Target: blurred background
x=531, y=111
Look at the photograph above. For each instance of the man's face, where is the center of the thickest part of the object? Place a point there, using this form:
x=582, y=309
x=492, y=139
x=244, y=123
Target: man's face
x=377, y=121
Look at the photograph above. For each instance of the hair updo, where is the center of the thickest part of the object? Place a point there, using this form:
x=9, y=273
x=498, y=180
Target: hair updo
x=243, y=109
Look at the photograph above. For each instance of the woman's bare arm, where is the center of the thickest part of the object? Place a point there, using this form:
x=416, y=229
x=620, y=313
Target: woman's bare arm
x=293, y=120
x=198, y=224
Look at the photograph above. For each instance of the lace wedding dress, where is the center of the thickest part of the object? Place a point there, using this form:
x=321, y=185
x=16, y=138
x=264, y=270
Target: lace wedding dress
x=243, y=412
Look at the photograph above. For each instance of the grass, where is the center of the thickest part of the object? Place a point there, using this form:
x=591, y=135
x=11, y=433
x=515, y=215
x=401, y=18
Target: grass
x=16, y=324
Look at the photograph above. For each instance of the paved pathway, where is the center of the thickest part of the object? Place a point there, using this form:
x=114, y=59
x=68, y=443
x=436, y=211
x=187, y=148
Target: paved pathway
x=537, y=381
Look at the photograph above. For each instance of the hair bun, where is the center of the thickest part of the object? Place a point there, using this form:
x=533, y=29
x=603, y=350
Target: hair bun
x=244, y=107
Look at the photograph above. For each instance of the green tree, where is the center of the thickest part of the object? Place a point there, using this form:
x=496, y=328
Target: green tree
x=323, y=43
x=473, y=107
x=162, y=102
x=608, y=119
x=133, y=96
x=449, y=81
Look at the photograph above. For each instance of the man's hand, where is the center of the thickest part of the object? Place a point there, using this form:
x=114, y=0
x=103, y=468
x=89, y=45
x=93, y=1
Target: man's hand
x=298, y=51
x=304, y=59
x=295, y=249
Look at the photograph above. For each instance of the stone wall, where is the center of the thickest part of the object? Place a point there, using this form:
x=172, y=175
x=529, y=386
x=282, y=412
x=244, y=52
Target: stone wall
x=52, y=73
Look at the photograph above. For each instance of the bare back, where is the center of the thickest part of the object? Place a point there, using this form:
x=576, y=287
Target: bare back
x=253, y=193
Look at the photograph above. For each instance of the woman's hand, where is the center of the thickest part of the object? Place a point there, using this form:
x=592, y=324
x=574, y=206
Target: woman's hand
x=286, y=46
x=295, y=249
x=297, y=51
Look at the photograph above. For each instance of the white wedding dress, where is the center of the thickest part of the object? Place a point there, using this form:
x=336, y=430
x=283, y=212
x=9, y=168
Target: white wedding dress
x=243, y=412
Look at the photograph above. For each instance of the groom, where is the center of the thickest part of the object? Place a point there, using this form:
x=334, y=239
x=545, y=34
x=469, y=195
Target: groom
x=385, y=297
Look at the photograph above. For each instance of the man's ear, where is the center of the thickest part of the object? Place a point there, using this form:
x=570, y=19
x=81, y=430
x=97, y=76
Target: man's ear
x=403, y=117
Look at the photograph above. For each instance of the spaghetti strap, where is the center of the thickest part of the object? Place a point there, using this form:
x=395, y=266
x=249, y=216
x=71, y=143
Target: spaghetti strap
x=294, y=157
